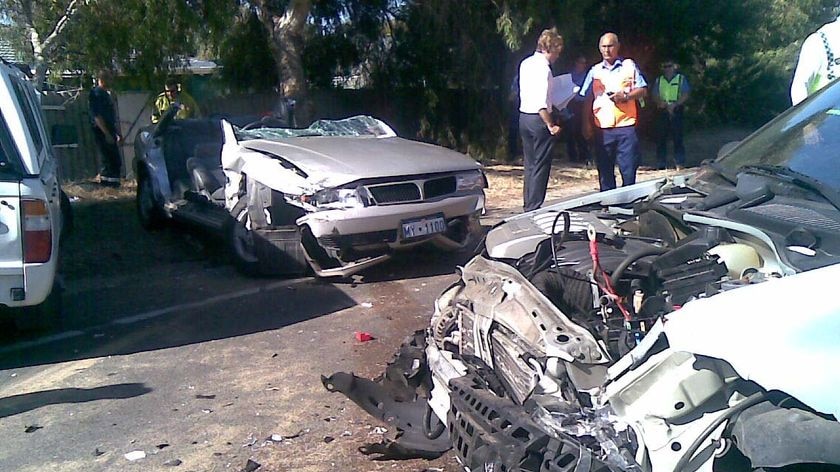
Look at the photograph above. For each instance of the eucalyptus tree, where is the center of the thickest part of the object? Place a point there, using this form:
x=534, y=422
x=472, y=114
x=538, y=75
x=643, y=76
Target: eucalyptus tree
x=41, y=25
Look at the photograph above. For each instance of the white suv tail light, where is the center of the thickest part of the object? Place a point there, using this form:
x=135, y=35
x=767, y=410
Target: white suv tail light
x=37, y=231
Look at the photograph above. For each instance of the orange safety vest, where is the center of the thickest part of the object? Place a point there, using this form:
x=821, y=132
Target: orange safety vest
x=621, y=78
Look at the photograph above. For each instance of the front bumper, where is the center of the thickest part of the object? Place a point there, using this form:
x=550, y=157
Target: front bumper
x=384, y=218
x=355, y=239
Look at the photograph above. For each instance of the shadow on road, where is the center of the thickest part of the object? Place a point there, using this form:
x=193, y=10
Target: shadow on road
x=211, y=306
x=17, y=404
x=417, y=263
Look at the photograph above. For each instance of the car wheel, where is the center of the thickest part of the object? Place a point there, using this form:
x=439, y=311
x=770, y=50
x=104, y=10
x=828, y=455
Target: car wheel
x=243, y=245
x=66, y=217
x=150, y=215
x=44, y=317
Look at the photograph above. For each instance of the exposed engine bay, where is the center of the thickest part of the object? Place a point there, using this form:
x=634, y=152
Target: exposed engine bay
x=567, y=344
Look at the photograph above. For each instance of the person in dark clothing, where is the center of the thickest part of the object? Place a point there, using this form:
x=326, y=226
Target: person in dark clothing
x=576, y=146
x=106, y=131
x=513, y=144
x=670, y=92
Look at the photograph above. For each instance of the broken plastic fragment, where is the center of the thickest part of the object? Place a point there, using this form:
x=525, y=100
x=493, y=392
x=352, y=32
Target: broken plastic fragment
x=32, y=428
x=328, y=439
x=366, y=305
x=173, y=463
x=363, y=336
x=135, y=455
x=205, y=397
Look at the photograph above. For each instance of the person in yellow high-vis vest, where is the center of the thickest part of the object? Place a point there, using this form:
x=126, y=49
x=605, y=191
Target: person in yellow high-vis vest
x=818, y=63
x=171, y=94
x=670, y=92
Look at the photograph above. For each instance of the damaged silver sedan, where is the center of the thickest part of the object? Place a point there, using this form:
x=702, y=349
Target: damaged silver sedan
x=338, y=196
x=681, y=324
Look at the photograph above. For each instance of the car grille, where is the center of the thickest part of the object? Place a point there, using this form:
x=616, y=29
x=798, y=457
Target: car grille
x=405, y=192
x=437, y=187
x=413, y=191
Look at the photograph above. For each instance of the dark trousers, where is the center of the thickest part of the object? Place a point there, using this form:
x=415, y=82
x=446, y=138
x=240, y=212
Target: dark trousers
x=576, y=146
x=110, y=157
x=670, y=125
x=537, y=143
x=621, y=146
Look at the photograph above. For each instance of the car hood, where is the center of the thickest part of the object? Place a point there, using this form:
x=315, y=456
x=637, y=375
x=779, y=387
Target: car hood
x=776, y=333
x=333, y=161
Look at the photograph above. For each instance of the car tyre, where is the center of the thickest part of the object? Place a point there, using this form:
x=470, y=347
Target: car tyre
x=66, y=217
x=149, y=213
x=243, y=246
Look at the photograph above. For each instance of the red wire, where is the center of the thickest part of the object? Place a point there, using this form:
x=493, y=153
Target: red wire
x=608, y=288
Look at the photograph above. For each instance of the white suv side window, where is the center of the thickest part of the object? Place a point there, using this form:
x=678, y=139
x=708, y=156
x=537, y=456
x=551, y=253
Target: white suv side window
x=29, y=114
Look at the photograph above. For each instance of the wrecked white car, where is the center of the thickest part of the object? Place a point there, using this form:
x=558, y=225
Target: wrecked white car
x=681, y=324
x=338, y=196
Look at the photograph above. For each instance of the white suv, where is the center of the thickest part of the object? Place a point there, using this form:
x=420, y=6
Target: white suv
x=31, y=219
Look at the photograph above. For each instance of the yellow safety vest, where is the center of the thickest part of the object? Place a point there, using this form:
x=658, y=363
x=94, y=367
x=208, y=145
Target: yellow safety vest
x=669, y=90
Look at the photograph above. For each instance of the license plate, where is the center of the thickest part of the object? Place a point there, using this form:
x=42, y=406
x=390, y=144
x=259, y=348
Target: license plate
x=423, y=227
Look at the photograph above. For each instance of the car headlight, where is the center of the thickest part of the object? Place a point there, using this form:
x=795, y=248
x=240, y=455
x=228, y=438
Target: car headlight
x=469, y=181
x=340, y=198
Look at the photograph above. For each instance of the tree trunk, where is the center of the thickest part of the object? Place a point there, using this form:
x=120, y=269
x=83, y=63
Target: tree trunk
x=285, y=29
x=40, y=60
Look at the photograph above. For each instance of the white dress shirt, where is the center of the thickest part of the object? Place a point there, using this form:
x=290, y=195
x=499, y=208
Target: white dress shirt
x=534, y=77
x=812, y=69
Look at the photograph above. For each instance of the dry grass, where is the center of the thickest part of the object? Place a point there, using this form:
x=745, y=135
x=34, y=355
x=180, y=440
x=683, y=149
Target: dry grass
x=90, y=190
x=504, y=195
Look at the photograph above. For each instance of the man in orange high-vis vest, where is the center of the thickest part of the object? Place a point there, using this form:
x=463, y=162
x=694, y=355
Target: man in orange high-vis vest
x=611, y=88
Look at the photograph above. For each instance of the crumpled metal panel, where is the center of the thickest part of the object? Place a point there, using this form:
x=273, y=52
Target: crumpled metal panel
x=497, y=293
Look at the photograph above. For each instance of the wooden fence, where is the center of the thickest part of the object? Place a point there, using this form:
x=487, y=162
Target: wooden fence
x=68, y=119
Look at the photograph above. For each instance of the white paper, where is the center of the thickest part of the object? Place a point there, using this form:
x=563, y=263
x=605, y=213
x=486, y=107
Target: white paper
x=561, y=90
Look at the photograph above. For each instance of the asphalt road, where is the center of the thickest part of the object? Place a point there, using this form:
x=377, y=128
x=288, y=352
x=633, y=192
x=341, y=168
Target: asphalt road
x=197, y=367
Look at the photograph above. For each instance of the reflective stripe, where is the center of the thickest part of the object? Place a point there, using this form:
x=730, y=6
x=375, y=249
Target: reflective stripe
x=819, y=80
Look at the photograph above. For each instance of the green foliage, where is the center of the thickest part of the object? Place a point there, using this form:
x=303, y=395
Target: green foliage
x=245, y=56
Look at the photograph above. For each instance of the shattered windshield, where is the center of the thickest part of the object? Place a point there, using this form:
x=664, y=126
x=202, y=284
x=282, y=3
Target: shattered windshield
x=354, y=126
x=804, y=139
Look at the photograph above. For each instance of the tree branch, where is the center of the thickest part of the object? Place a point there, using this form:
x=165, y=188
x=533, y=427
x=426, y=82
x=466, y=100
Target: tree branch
x=71, y=9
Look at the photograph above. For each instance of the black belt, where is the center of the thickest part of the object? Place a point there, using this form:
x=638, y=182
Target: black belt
x=529, y=114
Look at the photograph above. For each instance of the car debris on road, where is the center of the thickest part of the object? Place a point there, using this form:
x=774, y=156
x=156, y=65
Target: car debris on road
x=672, y=325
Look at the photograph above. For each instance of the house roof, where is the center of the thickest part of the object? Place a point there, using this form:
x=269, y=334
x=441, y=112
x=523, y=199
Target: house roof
x=9, y=52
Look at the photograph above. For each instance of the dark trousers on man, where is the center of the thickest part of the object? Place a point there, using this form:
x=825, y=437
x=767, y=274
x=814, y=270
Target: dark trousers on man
x=617, y=146
x=109, y=152
x=537, y=143
x=670, y=124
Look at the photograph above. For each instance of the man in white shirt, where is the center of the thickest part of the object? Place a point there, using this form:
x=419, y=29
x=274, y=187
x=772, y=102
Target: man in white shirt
x=819, y=62
x=535, y=123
